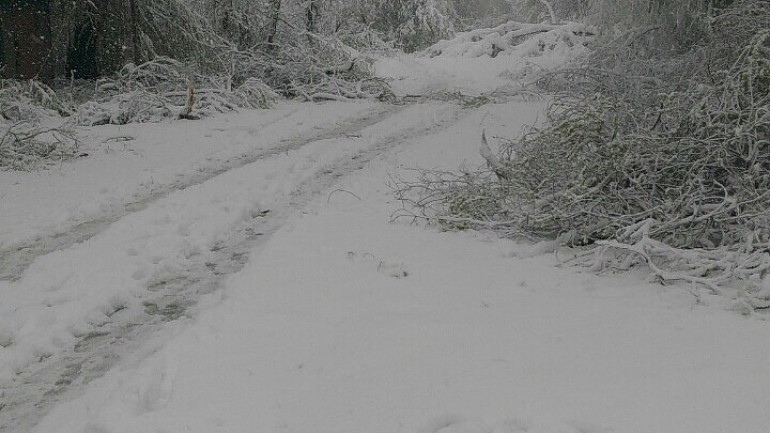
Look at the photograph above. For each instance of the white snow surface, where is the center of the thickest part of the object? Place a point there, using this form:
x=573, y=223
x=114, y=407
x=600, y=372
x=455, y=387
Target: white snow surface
x=506, y=58
x=344, y=320
x=64, y=295
x=126, y=163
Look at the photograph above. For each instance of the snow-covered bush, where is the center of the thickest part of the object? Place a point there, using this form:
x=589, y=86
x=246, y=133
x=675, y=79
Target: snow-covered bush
x=157, y=89
x=433, y=20
x=24, y=144
x=31, y=129
x=30, y=100
x=648, y=162
x=516, y=39
x=363, y=37
x=407, y=24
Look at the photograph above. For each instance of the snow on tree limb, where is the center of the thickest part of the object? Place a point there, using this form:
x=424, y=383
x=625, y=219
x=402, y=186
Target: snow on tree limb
x=647, y=160
x=513, y=37
x=551, y=12
x=492, y=160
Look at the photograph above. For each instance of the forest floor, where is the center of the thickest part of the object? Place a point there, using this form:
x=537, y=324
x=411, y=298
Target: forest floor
x=243, y=273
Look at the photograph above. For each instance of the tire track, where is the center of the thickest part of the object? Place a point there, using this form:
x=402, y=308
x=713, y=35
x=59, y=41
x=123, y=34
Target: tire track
x=17, y=258
x=172, y=297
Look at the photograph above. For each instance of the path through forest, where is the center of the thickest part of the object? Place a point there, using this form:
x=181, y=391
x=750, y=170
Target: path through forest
x=293, y=170
x=244, y=273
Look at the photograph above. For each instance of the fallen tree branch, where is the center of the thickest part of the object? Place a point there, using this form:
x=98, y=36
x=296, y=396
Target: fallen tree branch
x=492, y=160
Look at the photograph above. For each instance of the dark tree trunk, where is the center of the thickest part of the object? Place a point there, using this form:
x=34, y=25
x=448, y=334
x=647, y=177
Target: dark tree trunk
x=115, y=36
x=82, y=55
x=103, y=39
x=275, y=16
x=225, y=8
x=26, y=39
x=2, y=48
x=311, y=21
x=133, y=18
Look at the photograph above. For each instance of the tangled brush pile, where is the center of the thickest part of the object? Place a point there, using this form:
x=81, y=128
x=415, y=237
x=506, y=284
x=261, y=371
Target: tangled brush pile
x=157, y=89
x=677, y=179
x=31, y=129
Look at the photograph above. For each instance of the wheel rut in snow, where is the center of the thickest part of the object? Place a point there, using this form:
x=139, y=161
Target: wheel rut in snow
x=16, y=258
x=172, y=297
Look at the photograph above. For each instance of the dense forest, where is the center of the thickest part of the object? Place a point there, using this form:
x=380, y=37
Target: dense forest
x=86, y=39
x=54, y=38
x=235, y=52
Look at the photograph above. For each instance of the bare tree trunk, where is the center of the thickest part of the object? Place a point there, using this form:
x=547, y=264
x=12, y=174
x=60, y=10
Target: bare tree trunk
x=311, y=21
x=2, y=43
x=275, y=16
x=115, y=34
x=136, y=51
x=222, y=12
x=26, y=40
x=106, y=37
x=551, y=12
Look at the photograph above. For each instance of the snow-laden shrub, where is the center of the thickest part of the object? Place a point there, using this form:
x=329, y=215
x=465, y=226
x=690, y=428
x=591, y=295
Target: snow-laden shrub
x=158, y=90
x=30, y=100
x=25, y=144
x=433, y=20
x=407, y=24
x=666, y=169
x=363, y=37
x=319, y=66
x=515, y=39
x=31, y=129
x=735, y=29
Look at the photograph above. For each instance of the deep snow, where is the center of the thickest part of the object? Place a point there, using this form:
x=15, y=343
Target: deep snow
x=342, y=320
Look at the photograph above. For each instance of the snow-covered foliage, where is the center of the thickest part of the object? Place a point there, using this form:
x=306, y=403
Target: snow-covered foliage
x=518, y=39
x=23, y=145
x=156, y=90
x=31, y=127
x=34, y=117
x=505, y=59
x=239, y=41
x=410, y=25
x=649, y=160
x=433, y=20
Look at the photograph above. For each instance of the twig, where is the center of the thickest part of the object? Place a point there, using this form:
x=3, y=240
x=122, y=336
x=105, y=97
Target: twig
x=341, y=190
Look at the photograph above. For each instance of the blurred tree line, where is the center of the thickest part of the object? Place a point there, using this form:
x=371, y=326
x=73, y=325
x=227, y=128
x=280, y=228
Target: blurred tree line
x=88, y=39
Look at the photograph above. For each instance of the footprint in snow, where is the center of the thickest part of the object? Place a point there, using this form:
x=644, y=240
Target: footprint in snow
x=155, y=389
x=392, y=269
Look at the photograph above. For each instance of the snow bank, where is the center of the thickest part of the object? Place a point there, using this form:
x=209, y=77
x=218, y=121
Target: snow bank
x=511, y=55
x=347, y=323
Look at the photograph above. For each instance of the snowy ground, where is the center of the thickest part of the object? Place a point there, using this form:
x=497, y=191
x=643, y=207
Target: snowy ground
x=242, y=274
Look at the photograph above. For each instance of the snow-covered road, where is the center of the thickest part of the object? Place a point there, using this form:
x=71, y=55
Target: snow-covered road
x=242, y=274
x=100, y=290
x=137, y=164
